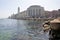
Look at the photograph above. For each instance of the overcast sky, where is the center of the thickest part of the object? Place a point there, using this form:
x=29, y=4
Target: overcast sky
x=8, y=7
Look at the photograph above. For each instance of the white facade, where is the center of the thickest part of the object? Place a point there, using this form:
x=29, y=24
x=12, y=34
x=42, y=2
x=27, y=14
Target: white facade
x=22, y=15
x=35, y=11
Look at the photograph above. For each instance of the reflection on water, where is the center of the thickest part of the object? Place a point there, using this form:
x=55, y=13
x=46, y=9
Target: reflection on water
x=21, y=30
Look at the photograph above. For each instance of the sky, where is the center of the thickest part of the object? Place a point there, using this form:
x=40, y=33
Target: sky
x=8, y=7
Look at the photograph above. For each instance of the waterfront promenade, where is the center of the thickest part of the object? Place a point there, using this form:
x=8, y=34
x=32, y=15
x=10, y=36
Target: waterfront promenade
x=39, y=19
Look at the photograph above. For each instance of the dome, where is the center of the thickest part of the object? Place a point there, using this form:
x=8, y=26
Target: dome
x=35, y=6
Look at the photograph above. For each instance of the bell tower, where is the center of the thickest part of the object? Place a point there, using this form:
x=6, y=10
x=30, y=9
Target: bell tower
x=18, y=10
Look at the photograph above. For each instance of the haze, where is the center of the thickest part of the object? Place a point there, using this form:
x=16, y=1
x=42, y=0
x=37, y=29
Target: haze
x=8, y=7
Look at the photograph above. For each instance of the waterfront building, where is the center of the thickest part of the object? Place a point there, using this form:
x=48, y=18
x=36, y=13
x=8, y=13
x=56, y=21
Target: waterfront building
x=35, y=11
x=13, y=16
x=21, y=15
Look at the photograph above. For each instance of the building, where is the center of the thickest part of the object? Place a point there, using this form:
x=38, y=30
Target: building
x=52, y=14
x=35, y=11
x=21, y=15
x=13, y=16
x=47, y=14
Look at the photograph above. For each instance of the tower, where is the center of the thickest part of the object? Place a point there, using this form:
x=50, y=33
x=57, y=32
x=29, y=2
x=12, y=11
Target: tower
x=18, y=9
